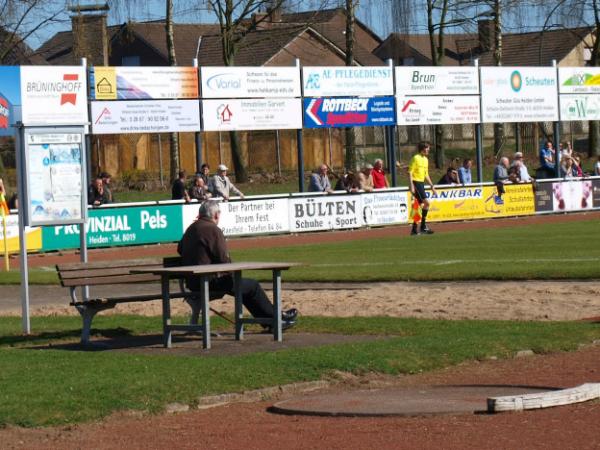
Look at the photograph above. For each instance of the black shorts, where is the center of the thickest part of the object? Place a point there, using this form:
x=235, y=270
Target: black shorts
x=419, y=191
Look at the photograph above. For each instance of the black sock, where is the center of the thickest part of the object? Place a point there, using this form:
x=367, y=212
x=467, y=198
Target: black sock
x=423, y=217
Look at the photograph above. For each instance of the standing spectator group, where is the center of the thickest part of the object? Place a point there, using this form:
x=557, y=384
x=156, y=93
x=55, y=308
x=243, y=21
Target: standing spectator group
x=204, y=186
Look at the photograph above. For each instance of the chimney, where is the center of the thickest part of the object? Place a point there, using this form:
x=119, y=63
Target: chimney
x=486, y=34
x=274, y=14
x=90, y=37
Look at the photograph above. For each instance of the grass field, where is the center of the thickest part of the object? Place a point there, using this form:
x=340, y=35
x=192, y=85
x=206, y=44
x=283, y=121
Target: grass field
x=549, y=251
x=52, y=386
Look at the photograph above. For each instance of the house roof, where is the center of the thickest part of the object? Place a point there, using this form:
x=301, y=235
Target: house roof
x=19, y=54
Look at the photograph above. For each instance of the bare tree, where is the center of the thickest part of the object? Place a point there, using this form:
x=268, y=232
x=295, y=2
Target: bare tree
x=350, y=160
x=174, y=142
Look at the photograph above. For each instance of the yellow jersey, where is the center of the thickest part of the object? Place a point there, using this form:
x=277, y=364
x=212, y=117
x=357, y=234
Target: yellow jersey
x=419, y=167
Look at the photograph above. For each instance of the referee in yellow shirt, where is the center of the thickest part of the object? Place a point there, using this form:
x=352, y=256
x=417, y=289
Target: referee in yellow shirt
x=418, y=173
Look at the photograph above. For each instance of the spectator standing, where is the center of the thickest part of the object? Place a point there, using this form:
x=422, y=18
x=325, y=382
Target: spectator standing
x=365, y=179
x=199, y=191
x=178, y=190
x=523, y=173
x=500, y=179
x=319, y=181
x=577, y=165
x=451, y=177
x=204, y=243
x=567, y=168
x=205, y=174
x=221, y=186
x=464, y=171
x=106, y=179
x=378, y=175
x=97, y=195
x=597, y=167
x=418, y=173
x=547, y=154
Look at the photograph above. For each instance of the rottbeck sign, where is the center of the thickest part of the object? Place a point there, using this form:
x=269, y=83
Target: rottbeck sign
x=330, y=112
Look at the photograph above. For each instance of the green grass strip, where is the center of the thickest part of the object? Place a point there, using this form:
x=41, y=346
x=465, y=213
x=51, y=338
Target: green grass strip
x=48, y=387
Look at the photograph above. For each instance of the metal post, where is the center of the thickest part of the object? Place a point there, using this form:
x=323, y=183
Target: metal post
x=518, y=143
x=278, y=151
x=300, y=160
x=23, y=201
x=392, y=156
x=556, y=129
x=197, y=135
x=479, y=132
x=330, y=147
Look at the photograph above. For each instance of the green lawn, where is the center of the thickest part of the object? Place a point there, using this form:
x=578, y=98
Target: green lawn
x=548, y=251
x=52, y=386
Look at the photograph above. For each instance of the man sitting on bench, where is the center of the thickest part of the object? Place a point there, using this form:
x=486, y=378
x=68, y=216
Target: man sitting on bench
x=204, y=243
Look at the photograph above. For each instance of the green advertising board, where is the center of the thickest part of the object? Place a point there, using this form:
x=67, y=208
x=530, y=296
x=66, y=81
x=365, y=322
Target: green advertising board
x=118, y=227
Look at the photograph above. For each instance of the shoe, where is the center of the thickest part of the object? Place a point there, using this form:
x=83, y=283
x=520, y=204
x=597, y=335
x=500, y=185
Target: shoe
x=289, y=315
x=285, y=325
x=414, y=232
x=426, y=230
x=498, y=200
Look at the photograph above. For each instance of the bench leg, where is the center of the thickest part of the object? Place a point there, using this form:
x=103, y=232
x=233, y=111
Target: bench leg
x=87, y=315
x=239, y=313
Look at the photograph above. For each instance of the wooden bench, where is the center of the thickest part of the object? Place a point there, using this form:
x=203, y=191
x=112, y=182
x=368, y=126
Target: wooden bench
x=104, y=273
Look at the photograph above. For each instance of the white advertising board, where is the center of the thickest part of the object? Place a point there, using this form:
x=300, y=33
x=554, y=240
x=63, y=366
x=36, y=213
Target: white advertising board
x=250, y=82
x=143, y=83
x=579, y=80
x=54, y=177
x=519, y=94
x=437, y=80
x=572, y=195
x=252, y=114
x=384, y=208
x=438, y=110
x=347, y=81
x=330, y=212
x=579, y=107
x=145, y=116
x=54, y=95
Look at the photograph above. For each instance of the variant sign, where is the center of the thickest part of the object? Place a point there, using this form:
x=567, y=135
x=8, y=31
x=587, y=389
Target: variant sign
x=143, y=83
x=437, y=81
x=347, y=81
x=10, y=99
x=250, y=82
x=252, y=114
x=477, y=202
x=579, y=80
x=572, y=195
x=145, y=116
x=385, y=208
x=331, y=212
x=348, y=112
x=55, y=179
x=519, y=94
x=438, y=110
x=108, y=227
x=54, y=95
x=579, y=107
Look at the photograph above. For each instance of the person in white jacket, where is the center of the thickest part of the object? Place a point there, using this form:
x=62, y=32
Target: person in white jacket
x=221, y=186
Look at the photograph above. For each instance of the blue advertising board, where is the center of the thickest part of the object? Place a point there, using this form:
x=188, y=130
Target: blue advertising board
x=339, y=112
x=10, y=99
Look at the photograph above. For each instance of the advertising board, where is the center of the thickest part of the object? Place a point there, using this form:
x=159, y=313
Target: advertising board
x=55, y=177
x=412, y=81
x=143, y=83
x=54, y=95
x=329, y=112
x=145, y=116
x=579, y=80
x=579, y=107
x=339, y=81
x=438, y=110
x=252, y=114
x=330, y=212
x=519, y=94
x=572, y=195
x=10, y=99
x=250, y=82
x=385, y=208
x=34, y=235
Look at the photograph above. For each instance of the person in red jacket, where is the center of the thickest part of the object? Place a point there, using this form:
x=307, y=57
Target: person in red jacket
x=378, y=175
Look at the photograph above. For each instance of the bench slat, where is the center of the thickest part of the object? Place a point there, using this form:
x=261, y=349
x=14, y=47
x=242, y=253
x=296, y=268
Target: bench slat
x=93, y=273
x=126, y=264
x=117, y=279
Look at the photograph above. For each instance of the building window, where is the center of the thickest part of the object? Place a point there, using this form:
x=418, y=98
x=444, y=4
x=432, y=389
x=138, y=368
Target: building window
x=130, y=61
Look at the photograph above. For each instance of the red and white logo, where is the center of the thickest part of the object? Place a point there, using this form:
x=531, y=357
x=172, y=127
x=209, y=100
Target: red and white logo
x=4, y=113
x=69, y=97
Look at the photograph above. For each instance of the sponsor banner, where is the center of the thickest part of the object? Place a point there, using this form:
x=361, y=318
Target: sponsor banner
x=249, y=217
x=54, y=177
x=543, y=197
x=54, y=95
x=579, y=80
x=250, y=82
x=519, y=94
x=143, y=83
x=252, y=114
x=112, y=227
x=580, y=107
x=478, y=202
x=330, y=212
x=34, y=235
x=596, y=193
x=347, y=81
x=572, y=195
x=437, y=81
x=385, y=208
x=438, y=110
x=145, y=116
x=331, y=112
x=10, y=99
